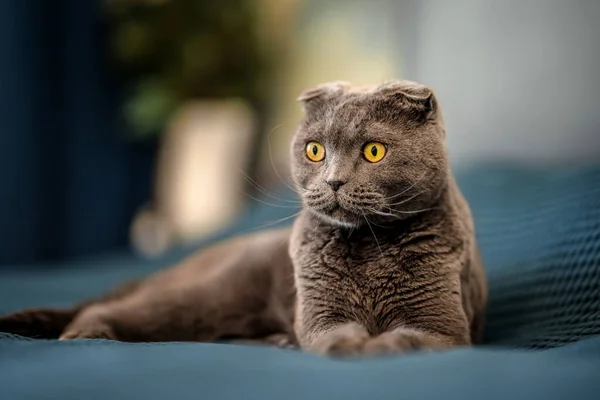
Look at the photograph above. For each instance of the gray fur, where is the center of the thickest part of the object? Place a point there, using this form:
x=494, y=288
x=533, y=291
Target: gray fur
x=388, y=263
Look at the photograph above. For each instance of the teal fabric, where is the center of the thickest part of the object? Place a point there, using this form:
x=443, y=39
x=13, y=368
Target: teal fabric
x=539, y=232
x=104, y=370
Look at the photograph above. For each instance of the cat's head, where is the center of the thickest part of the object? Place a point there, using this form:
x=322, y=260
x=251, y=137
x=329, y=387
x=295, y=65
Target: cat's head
x=373, y=153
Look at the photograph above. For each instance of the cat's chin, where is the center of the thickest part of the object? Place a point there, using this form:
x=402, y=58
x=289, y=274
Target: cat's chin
x=337, y=218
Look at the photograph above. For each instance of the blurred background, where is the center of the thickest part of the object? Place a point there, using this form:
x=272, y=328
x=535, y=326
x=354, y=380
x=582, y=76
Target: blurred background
x=147, y=125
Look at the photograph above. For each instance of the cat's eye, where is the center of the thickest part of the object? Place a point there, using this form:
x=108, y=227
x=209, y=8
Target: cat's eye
x=315, y=151
x=374, y=151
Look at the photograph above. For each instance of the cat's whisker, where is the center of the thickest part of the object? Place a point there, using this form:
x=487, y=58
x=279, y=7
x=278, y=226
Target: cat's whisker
x=351, y=230
x=271, y=204
x=315, y=195
x=408, y=188
x=271, y=157
x=406, y=200
x=317, y=225
x=394, y=213
x=415, y=211
x=299, y=186
x=273, y=223
x=354, y=226
x=318, y=199
x=381, y=213
x=374, y=236
x=379, y=226
x=264, y=191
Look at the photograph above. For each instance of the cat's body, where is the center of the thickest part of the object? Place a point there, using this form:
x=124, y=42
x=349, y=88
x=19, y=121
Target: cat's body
x=241, y=288
x=420, y=275
x=381, y=259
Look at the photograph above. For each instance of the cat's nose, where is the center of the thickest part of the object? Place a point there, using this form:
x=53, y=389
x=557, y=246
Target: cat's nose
x=335, y=185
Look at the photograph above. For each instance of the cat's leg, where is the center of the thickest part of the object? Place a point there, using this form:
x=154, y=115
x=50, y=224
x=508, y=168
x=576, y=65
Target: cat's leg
x=437, y=323
x=418, y=322
x=404, y=340
x=279, y=340
x=443, y=326
x=49, y=323
x=140, y=323
x=132, y=320
x=42, y=323
x=241, y=289
x=342, y=340
x=233, y=307
x=91, y=323
x=351, y=339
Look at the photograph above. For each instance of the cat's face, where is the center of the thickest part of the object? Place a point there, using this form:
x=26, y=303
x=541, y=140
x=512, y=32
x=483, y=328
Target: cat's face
x=374, y=154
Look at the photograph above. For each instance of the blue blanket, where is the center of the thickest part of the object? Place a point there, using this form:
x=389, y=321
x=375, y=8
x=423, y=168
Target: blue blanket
x=539, y=231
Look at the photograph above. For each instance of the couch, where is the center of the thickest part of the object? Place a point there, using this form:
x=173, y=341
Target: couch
x=539, y=232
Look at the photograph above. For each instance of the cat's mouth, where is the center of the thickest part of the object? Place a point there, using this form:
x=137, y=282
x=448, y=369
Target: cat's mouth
x=341, y=209
x=335, y=206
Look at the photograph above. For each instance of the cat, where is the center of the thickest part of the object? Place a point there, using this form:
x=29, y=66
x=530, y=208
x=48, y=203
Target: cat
x=382, y=258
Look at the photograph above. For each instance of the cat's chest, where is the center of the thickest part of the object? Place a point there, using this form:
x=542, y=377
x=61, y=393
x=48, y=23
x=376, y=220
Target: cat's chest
x=359, y=279
x=364, y=263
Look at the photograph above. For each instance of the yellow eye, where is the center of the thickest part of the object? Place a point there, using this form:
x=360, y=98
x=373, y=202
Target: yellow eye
x=374, y=151
x=315, y=151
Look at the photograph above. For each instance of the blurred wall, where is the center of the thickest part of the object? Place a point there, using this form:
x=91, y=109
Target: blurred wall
x=358, y=41
x=518, y=79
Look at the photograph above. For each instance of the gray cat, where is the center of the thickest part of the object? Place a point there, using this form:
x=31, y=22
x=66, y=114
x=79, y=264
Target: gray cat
x=381, y=259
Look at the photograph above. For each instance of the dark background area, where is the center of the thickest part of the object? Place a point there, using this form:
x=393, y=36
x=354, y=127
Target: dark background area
x=62, y=151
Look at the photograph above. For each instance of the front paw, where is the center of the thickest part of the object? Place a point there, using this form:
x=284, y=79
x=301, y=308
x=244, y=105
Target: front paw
x=346, y=340
x=282, y=341
x=402, y=340
x=95, y=332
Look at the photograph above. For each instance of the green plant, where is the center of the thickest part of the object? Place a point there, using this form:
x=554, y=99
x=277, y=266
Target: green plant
x=171, y=51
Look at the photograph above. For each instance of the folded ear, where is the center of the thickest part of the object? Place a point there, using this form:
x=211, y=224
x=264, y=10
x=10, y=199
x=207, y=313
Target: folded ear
x=314, y=99
x=418, y=98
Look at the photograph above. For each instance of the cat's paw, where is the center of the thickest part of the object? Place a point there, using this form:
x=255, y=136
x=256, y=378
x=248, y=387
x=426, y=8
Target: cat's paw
x=282, y=341
x=402, y=340
x=97, y=332
x=346, y=340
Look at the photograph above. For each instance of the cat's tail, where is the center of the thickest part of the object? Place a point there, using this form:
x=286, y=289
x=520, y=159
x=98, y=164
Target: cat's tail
x=39, y=323
x=50, y=323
